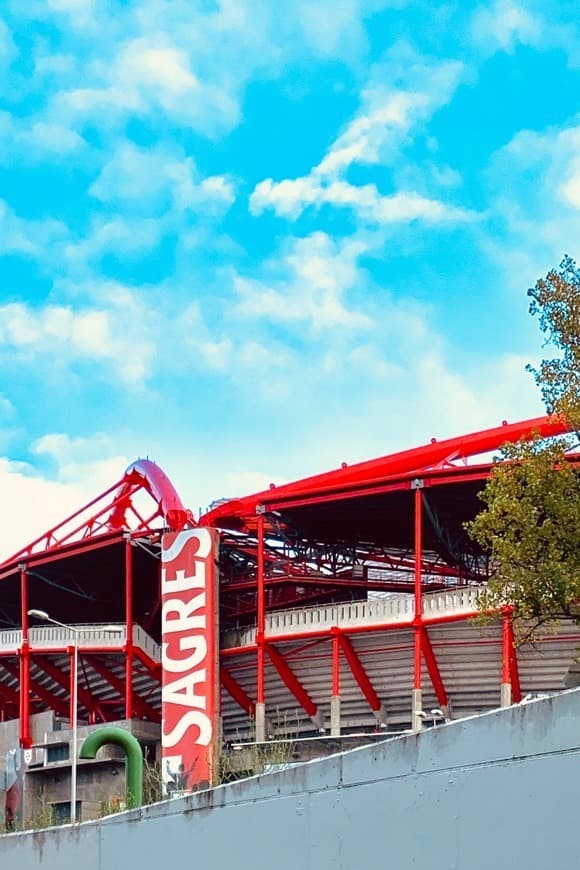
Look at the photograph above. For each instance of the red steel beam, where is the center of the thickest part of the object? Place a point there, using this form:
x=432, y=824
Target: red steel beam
x=232, y=686
x=153, y=667
x=141, y=708
x=360, y=674
x=291, y=681
x=514, y=668
x=433, y=669
x=261, y=615
x=411, y=462
x=326, y=633
x=84, y=696
x=506, y=647
x=129, y=628
x=10, y=695
x=418, y=505
x=42, y=693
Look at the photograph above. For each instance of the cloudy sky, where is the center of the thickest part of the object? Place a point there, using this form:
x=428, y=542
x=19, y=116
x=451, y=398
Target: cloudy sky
x=253, y=238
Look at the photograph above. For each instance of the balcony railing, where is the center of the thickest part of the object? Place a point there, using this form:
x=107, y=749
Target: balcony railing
x=379, y=611
x=96, y=636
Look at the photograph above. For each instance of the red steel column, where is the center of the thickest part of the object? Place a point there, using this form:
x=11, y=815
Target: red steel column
x=260, y=633
x=25, y=736
x=506, y=658
x=128, y=628
x=335, y=699
x=417, y=699
x=514, y=668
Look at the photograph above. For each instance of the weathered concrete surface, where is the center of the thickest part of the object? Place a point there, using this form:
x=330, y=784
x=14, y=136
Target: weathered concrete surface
x=497, y=791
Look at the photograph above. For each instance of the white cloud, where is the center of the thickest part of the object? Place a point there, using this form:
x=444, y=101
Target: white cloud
x=8, y=50
x=148, y=75
x=539, y=222
x=333, y=28
x=25, y=141
x=192, y=64
x=160, y=176
x=26, y=493
x=67, y=336
x=126, y=237
x=81, y=469
x=504, y=24
x=307, y=285
x=29, y=237
x=290, y=198
x=377, y=134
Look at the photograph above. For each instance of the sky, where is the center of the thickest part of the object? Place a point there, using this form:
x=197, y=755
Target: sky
x=252, y=239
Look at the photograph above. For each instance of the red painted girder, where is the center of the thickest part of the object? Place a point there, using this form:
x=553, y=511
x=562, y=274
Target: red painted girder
x=514, y=669
x=324, y=580
x=359, y=673
x=108, y=512
x=84, y=696
x=291, y=681
x=9, y=694
x=411, y=462
x=232, y=686
x=355, y=629
x=49, y=540
x=41, y=692
x=141, y=708
x=433, y=669
x=153, y=667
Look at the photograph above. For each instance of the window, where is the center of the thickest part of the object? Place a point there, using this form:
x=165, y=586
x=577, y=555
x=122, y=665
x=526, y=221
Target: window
x=57, y=752
x=61, y=812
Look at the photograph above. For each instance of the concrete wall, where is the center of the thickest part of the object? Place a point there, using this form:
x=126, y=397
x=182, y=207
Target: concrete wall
x=500, y=790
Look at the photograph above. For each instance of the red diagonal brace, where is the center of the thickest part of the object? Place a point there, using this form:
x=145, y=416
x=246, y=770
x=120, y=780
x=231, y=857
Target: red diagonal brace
x=360, y=674
x=139, y=705
x=291, y=681
x=10, y=695
x=433, y=668
x=154, y=668
x=41, y=692
x=84, y=696
x=232, y=686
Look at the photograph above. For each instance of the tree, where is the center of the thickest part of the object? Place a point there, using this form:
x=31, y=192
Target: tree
x=531, y=521
x=556, y=301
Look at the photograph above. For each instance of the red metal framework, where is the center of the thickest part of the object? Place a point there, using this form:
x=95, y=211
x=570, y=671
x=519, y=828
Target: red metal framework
x=388, y=525
x=116, y=510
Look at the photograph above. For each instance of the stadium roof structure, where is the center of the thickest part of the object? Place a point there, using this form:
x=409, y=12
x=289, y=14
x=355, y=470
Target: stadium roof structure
x=301, y=565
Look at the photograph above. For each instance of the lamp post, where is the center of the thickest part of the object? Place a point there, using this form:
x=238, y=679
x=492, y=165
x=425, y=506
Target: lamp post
x=43, y=615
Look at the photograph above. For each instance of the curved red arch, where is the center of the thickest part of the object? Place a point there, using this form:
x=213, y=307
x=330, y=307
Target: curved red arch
x=109, y=512
x=145, y=474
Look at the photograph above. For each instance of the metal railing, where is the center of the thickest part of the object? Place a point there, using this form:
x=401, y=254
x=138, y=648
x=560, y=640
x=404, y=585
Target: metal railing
x=94, y=636
x=389, y=611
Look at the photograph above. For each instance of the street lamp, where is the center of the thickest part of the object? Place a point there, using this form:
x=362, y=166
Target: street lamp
x=43, y=615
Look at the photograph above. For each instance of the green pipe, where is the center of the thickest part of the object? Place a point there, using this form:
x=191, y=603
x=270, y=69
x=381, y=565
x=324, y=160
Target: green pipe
x=133, y=751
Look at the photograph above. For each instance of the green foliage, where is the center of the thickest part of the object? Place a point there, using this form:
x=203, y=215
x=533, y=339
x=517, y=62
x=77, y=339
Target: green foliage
x=556, y=302
x=530, y=528
x=254, y=759
x=530, y=523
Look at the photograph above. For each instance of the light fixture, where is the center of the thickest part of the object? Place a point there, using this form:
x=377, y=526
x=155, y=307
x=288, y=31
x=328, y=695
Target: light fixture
x=39, y=614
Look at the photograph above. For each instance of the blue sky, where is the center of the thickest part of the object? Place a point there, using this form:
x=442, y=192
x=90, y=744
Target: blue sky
x=251, y=239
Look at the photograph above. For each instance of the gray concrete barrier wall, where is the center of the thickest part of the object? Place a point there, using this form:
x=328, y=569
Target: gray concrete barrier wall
x=496, y=791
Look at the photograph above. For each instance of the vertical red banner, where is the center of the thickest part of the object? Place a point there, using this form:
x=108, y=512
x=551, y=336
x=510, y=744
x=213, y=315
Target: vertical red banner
x=190, y=659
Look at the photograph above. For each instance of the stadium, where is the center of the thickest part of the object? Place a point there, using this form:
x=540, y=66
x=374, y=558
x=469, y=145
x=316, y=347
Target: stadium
x=340, y=605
